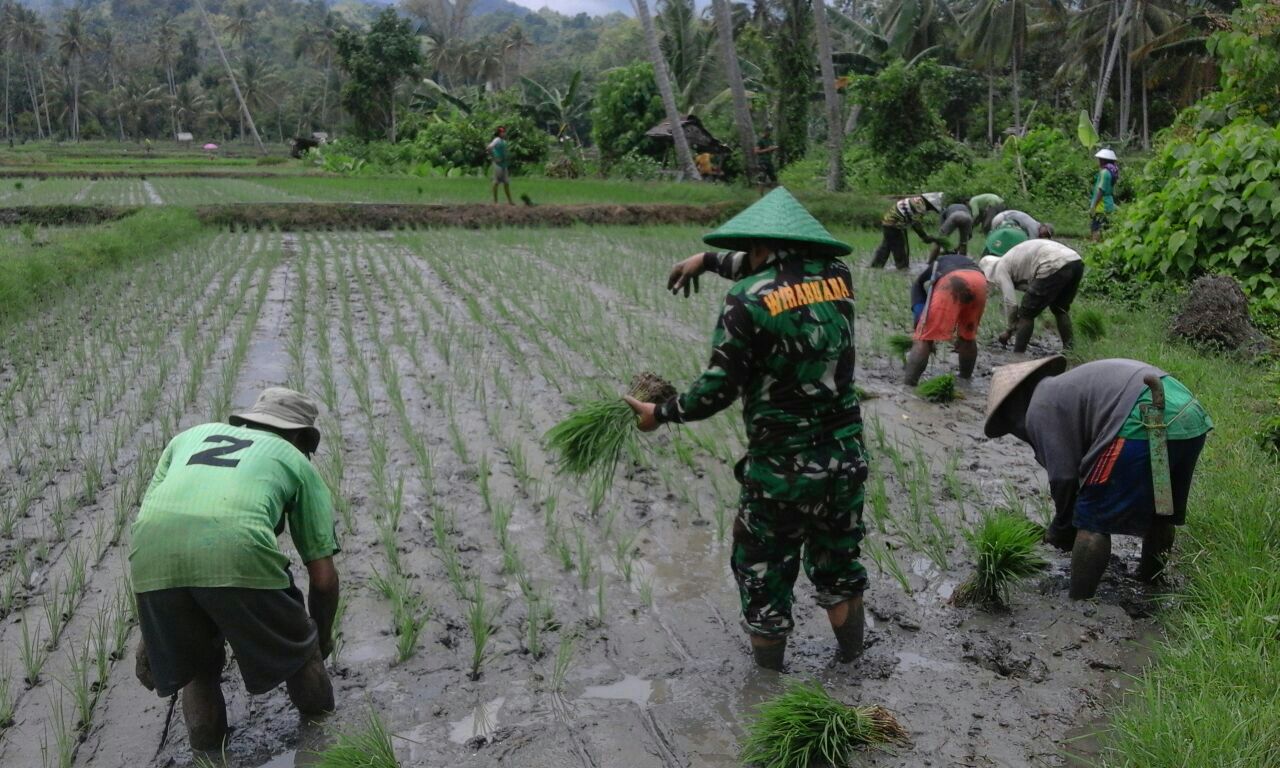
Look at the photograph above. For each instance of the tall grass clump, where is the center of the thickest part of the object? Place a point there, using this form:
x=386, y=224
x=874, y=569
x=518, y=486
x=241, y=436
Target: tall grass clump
x=1004, y=548
x=806, y=726
x=1091, y=324
x=939, y=389
x=592, y=440
x=367, y=747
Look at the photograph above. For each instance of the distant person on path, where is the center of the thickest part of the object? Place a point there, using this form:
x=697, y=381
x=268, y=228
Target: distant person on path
x=1049, y=273
x=947, y=301
x=784, y=344
x=1103, y=202
x=1088, y=432
x=501, y=172
x=1022, y=221
x=766, y=148
x=907, y=212
x=955, y=218
x=207, y=569
x=984, y=207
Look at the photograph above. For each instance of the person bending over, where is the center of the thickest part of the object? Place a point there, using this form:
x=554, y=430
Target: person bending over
x=947, y=301
x=1049, y=273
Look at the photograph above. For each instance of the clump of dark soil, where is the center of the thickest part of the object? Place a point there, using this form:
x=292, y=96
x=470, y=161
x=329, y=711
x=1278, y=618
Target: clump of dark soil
x=328, y=216
x=649, y=387
x=1216, y=314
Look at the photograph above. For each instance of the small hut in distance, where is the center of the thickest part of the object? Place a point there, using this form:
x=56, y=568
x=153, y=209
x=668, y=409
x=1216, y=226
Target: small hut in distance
x=701, y=142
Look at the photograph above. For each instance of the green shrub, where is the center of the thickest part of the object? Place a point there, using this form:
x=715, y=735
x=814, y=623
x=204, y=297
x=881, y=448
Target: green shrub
x=1210, y=205
x=627, y=104
x=901, y=126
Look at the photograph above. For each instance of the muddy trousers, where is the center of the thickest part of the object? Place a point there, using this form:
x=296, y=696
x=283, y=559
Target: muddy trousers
x=772, y=539
x=893, y=242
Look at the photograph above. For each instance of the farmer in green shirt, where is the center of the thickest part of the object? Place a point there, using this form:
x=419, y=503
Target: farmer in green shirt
x=501, y=172
x=1103, y=202
x=207, y=569
x=784, y=344
x=984, y=207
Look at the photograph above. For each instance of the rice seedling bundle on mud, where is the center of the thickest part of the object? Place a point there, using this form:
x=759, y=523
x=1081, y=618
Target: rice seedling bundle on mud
x=593, y=439
x=806, y=727
x=939, y=389
x=1004, y=547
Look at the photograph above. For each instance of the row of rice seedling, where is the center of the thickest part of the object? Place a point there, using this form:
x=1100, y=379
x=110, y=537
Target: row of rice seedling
x=150, y=419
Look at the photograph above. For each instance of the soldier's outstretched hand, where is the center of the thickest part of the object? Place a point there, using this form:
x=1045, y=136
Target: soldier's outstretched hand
x=645, y=420
x=685, y=274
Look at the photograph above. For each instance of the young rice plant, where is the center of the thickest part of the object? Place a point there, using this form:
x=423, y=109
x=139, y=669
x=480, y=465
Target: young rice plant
x=939, y=389
x=805, y=727
x=1004, y=546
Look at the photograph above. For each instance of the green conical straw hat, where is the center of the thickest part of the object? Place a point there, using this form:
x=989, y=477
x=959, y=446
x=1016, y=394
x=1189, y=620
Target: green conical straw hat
x=777, y=216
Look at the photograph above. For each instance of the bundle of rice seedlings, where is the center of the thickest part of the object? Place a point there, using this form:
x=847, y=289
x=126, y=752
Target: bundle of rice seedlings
x=900, y=343
x=367, y=747
x=591, y=441
x=1091, y=324
x=939, y=389
x=1004, y=547
x=805, y=726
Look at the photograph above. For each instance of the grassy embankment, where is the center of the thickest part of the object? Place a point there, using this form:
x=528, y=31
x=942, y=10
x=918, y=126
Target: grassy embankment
x=35, y=269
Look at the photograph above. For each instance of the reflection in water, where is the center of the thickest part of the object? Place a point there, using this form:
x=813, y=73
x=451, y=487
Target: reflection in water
x=629, y=688
x=482, y=721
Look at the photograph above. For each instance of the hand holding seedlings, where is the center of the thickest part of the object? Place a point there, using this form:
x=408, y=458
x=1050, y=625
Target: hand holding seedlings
x=645, y=420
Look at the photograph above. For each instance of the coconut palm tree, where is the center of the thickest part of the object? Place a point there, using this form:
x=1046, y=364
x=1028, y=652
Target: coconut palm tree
x=995, y=33
x=835, y=133
x=104, y=42
x=737, y=89
x=235, y=87
x=166, y=41
x=240, y=25
x=683, y=156
x=317, y=42
x=30, y=38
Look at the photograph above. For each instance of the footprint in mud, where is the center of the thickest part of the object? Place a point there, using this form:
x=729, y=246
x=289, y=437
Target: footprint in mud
x=996, y=654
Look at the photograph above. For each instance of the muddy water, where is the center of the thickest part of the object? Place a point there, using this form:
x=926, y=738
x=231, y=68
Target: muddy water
x=660, y=681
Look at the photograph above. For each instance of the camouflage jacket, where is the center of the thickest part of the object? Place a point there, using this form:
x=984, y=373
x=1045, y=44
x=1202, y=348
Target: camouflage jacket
x=784, y=343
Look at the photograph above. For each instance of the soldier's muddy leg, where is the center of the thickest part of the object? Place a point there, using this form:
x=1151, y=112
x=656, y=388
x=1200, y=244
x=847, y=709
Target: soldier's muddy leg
x=766, y=562
x=1089, y=559
x=832, y=547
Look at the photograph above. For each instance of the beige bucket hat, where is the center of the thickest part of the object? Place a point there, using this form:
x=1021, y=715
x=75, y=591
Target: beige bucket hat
x=1006, y=379
x=283, y=408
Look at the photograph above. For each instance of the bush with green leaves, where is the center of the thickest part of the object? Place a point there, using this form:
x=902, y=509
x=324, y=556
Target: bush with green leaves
x=627, y=104
x=1205, y=206
x=901, y=125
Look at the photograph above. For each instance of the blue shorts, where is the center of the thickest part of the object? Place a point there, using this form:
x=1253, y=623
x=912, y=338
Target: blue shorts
x=1118, y=496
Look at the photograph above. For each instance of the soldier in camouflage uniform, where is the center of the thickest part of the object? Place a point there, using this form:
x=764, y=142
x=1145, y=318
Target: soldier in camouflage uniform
x=784, y=343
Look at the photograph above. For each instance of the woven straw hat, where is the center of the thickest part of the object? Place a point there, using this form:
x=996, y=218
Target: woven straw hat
x=934, y=199
x=1106, y=154
x=1006, y=379
x=777, y=216
x=283, y=408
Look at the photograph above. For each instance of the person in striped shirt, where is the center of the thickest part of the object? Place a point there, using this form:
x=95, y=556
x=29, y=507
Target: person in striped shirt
x=207, y=568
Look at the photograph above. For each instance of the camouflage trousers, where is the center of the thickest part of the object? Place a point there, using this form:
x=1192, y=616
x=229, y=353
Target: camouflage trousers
x=773, y=538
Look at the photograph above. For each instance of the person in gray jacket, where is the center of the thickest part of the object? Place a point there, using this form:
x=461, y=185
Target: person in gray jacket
x=1088, y=431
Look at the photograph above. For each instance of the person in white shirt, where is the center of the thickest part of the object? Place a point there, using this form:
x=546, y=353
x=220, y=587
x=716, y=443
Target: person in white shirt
x=1049, y=274
x=1022, y=221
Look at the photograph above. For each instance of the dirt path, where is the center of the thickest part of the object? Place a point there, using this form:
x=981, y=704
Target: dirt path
x=442, y=358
